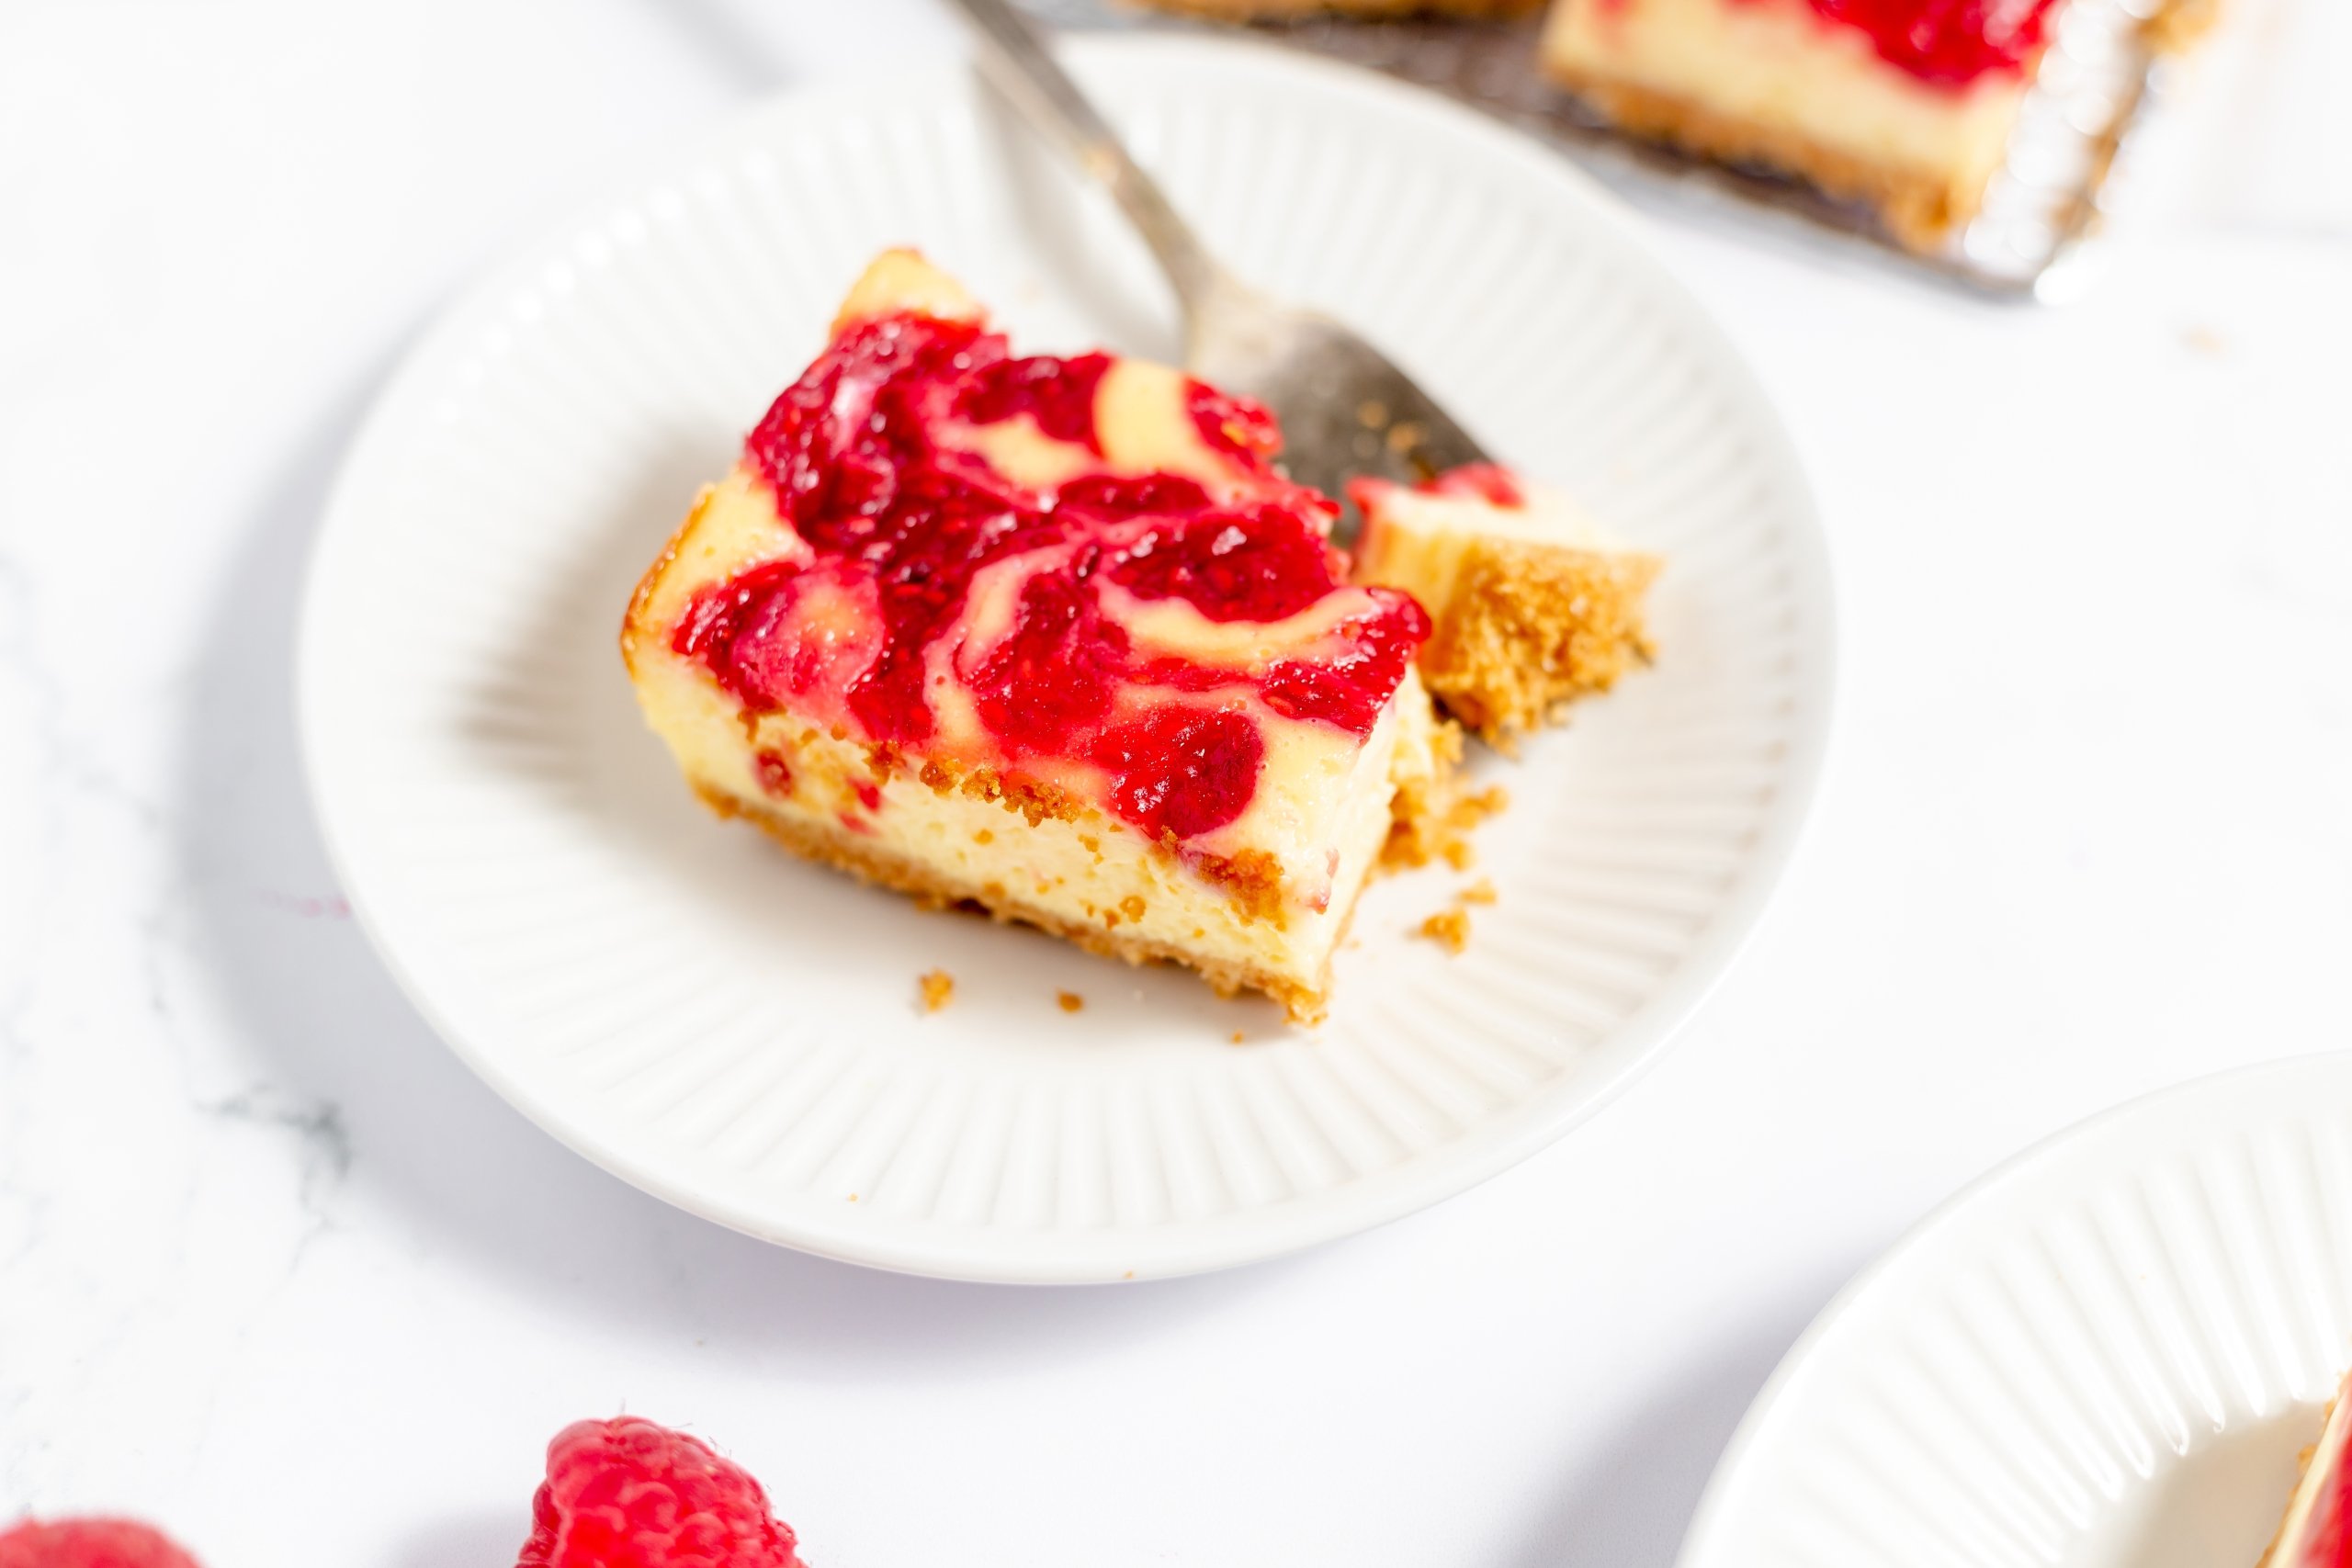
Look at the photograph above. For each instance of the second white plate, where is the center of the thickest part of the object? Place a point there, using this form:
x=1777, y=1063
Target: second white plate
x=737, y=1032
x=2105, y=1354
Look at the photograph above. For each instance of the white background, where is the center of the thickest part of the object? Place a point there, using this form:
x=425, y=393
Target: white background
x=276, y=1272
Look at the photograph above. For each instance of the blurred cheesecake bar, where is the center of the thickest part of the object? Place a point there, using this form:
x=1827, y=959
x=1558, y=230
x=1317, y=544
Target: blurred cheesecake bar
x=1050, y=636
x=1533, y=604
x=1906, y=105
x=2315, y=1533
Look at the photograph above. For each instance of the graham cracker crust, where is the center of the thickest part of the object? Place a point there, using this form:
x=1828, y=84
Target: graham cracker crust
x=1530, y=629
x=1920, y=208
x=870, y=861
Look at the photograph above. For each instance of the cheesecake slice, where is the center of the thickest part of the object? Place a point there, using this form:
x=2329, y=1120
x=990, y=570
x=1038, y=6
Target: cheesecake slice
x=1533, y=604
x=1907, y=104
x=2313, y=1534
x=1049, y=635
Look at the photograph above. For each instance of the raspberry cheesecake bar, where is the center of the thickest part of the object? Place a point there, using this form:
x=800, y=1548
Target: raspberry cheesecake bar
x=1904, y=104
x=1534, y=604
x=1046, y=635
x=2313, y=1534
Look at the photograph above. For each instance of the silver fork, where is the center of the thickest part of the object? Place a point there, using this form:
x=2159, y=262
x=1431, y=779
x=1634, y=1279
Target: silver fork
x=1345, y=410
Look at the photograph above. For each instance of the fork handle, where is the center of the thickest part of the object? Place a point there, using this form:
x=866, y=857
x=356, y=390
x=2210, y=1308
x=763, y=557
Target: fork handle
x=1015, y=58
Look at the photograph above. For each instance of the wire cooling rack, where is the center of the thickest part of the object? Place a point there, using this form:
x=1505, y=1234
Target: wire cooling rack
x=2066, y=170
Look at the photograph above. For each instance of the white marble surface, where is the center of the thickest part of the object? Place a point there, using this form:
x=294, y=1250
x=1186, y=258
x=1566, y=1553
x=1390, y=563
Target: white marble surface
x=274, y=1271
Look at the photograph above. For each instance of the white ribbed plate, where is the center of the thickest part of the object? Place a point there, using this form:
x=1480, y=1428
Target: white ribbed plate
x=2104, y=1355
x=736, y=1030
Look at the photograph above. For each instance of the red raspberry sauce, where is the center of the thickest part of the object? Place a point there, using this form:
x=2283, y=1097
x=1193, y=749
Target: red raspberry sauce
x=1057, y=394
x=1178, y=769
x=1946, y=43
x=902, y=526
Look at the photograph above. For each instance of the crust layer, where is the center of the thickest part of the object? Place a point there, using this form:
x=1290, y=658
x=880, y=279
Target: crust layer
x=870, y=861
x=1919, y=208
x=1529, y=629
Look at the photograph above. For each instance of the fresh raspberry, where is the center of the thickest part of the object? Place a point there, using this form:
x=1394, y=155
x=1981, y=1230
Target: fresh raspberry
x=629, y=1494
x=88, y=1543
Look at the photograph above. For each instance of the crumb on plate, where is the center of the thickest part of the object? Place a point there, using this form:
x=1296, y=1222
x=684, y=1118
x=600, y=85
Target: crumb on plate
x=1450, y=928
x=1434, y=819
x=1070, y=1001
x=938, y=987
x=1479, y=891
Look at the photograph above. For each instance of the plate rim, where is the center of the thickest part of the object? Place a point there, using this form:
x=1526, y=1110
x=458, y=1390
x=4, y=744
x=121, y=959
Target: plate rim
x=1703, y=1541
x=1177, y=1247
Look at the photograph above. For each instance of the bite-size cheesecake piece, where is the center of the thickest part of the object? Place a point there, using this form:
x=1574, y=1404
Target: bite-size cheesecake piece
x=1047, y=634
x=1533, y=604
x=2315, y=1533
x=1904, y=103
